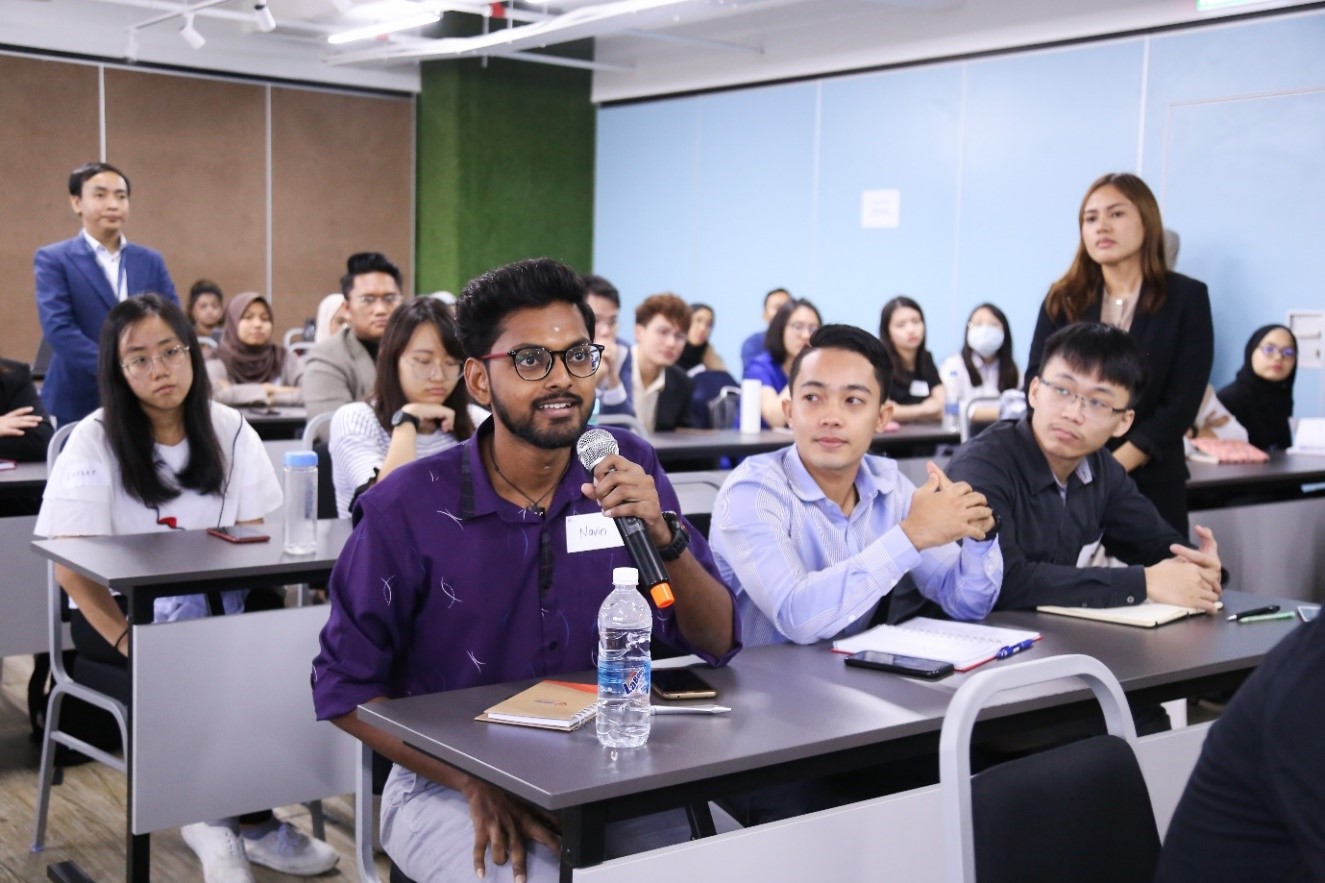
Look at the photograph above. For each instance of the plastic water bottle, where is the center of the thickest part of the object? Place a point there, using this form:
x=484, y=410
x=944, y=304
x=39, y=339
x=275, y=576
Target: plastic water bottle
x=951, y=407
x=624, y=668
x=300, y=502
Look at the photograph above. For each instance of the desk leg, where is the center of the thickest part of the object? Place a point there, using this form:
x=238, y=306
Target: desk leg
x=583, y=838
x=137, y=847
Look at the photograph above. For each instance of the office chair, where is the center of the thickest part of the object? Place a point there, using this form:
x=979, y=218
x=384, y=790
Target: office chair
x=316, y=438
x=90, y=673
x=1077, y=812
x=967, y=424
x=629, y=421
x=710, y=387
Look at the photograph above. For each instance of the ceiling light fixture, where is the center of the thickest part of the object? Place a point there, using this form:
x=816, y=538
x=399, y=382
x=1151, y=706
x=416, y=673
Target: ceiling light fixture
x=190, y=33
x=385, y=27
x=266, y=21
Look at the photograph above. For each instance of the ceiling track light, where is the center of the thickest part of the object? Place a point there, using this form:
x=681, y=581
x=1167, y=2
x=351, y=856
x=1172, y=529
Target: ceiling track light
x=386, y=27
x=191, y=34
x=266, y=21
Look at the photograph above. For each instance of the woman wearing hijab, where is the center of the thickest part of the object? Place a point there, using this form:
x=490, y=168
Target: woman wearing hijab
x=249, y=368
x=1261, y=396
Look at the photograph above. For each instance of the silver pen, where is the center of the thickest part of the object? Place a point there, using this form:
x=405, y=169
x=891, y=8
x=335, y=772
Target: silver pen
x=689, y=709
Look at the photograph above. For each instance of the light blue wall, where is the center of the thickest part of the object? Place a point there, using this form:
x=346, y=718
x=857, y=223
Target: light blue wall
x=722, y=197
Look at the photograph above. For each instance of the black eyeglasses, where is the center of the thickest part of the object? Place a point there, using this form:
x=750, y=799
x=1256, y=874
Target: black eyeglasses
x=533, y=363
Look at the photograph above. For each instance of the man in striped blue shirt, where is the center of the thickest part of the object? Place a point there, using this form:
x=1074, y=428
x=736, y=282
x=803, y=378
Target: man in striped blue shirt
x=822, y=539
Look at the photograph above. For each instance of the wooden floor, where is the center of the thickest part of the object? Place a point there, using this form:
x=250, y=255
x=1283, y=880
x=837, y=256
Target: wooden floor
x=87, y=812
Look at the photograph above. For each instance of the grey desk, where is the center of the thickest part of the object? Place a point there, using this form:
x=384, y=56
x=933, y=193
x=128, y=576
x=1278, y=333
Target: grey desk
x=694, y=444
x=798, y=712
x=284, y=422
x=24, y=480
x=144, y=567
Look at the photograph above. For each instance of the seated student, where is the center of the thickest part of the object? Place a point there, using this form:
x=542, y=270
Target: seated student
x=605, y=301
x=984, y=367
x=25, y=428
x=699, y=354
x=418, y=407
x=657, y=392
x=206, y=309
x=1254, y=807
x=471, y=599
x=333, y=314
x=249, y=367
x=160, y=456
x=753, y=345
x=789, y=331
x=1261, y=396
x=1060, y=494
x=341, y=369
x=817, y=538
x=916, y=391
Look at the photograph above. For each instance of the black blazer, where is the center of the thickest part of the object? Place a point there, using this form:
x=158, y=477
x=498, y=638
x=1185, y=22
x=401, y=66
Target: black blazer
x=674, y=400
x=1179, y=345
x=18, y=391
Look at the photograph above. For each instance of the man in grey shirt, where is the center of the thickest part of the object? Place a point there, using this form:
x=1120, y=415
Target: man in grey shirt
x=343, y=368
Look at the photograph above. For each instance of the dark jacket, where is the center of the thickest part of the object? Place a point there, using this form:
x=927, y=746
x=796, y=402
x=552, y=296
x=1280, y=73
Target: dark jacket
x=18, y=391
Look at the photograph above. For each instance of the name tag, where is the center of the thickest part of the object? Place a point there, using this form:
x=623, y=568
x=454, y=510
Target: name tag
x=920, y=388
x=83, y=473
x=586, y=533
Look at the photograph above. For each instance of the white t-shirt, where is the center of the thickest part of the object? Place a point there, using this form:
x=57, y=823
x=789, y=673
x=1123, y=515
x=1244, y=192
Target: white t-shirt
x=358, y=445
x=953, y=371
x=85, y=497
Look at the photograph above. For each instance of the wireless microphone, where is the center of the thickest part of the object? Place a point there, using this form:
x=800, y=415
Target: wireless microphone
x=593, y=447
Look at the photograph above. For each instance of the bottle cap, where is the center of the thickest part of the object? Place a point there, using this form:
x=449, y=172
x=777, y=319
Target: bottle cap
x=625, y=576
x=300, y=459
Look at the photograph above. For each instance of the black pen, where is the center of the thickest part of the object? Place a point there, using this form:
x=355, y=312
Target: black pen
x=1257, y=611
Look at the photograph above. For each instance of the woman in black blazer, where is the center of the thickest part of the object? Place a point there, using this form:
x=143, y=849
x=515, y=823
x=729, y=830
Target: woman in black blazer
x=1118, y=277
x=25, y=430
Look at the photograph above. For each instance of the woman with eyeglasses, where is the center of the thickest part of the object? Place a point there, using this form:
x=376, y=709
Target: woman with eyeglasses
x=788, y=333
x=1119, y=277
x=916, y=390
x=1261, y=396
x=249, y=367
x=157, y=456
x=419, y=404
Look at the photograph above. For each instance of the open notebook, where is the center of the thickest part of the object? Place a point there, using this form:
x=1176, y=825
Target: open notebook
x=964, y=644
x=1147, y=614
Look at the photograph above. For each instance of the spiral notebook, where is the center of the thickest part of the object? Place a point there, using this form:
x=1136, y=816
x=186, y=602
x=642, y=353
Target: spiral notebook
x=964, y=644
x=550, y=705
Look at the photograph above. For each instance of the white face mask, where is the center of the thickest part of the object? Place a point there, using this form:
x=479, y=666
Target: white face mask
x=984, y=339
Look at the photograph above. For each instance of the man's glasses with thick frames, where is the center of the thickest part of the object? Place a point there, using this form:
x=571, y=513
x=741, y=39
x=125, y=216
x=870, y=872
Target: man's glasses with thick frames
x=533, y=363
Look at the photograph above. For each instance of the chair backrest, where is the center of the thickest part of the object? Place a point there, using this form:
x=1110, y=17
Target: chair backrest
x=292, y=336
x=317, y=432
x=629, y=421
x=969, y=409
x=299, y=349
x=55, y=621
x=1042, y=780
x=708, y=385
x=724, y=410
x=317, y=429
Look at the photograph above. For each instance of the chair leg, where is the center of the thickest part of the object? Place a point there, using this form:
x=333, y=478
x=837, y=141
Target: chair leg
x=701, y=820
x=46, y=775
x=317, y=819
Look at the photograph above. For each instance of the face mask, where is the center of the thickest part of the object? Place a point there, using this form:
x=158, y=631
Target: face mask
x=984, y=339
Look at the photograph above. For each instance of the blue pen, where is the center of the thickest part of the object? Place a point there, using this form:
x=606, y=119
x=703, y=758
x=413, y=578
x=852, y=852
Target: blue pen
x=1014, y=649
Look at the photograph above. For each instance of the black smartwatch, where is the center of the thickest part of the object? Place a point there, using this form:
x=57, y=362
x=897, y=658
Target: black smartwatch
x=680, y=538
x=992, y=533
x=403, y=416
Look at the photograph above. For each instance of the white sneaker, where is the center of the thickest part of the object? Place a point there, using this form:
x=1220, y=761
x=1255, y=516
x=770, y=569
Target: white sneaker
x=286, y=849
x=220, y=851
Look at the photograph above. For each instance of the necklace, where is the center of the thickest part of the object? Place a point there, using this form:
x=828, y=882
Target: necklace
x=535, y=506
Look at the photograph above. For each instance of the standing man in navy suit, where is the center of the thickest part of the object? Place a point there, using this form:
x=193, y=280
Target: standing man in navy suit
x=80, y=279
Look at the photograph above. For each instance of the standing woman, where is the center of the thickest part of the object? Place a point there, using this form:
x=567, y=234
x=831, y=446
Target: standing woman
x=1119, y=277
x=418, y=407
x=916, y=389
x=157, y=456
x=249, y=367
x=789, y=332
x=1261, y=396
x=984, y=367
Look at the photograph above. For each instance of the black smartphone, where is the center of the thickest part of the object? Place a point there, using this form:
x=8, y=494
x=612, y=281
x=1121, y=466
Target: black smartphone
x=681, y=683
x=902, y=665
x=239, y=533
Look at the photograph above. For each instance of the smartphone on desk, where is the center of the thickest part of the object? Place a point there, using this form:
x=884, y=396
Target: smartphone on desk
x=681, y=683
x=902, y=665
x=239, y=533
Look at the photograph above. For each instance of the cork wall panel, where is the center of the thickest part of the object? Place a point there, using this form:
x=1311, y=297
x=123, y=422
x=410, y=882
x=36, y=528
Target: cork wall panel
x=195, y=150
x=342, y=181
x=49, y=124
